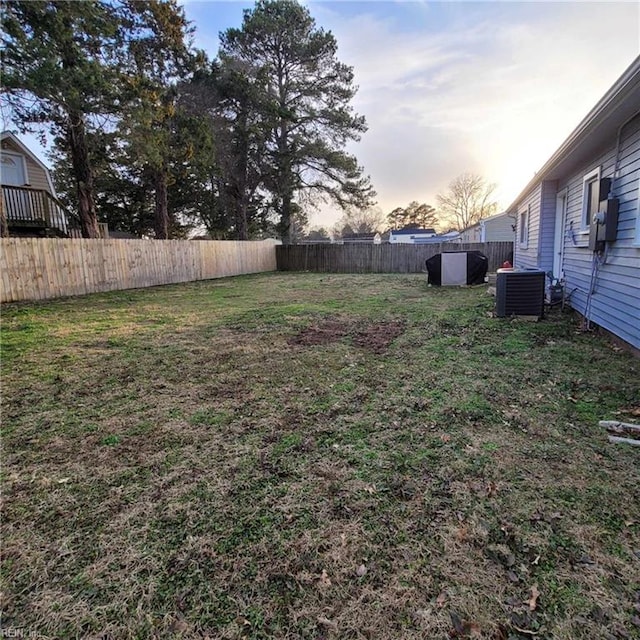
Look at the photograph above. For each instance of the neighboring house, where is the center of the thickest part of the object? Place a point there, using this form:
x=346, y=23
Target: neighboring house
x=450, y=236
x=596, y=168
x=410, y=236
x=28, y=196
x=498, y=228
x=361, y=238
x=426, y=236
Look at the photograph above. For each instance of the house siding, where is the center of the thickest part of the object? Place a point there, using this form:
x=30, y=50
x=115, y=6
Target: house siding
x=615, y=302
x=36, y=176
x=548, y=194
x=472, y=234
x=496, y=229
x=499, y=229
x=527, y=257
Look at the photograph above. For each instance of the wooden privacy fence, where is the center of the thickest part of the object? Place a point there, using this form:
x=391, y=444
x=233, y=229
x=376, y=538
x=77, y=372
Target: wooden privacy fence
x=42, y=268
x=379, y=258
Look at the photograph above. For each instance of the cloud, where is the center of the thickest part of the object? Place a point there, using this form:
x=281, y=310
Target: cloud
x=492, y=88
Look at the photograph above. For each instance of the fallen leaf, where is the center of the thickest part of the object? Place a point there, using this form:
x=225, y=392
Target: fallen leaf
x=325, y=581
x=325, y=622
x=492, y=488
x=462, y=533
x=441, y=599
x=64, y=480
x=445, y=437
x=500, y=633
x=457, y=623
x=474, y=630
x=535, y=594
x=361, y=571
x=178, y=626
x=464, y=628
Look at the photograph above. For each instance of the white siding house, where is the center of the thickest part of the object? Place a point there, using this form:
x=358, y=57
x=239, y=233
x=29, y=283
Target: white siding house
x=411, y=236
x=498, y=228
x=555, y=212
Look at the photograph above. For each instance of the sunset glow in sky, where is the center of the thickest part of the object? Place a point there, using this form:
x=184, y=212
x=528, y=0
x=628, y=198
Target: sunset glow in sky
x=492, y=88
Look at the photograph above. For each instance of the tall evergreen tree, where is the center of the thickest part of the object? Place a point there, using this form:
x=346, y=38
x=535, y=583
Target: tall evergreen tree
x=228, y=95
x=415, y=214
x=306, y=105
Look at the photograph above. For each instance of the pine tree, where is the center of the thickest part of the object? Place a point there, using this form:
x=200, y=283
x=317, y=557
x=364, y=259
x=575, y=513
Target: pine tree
x=306, y=106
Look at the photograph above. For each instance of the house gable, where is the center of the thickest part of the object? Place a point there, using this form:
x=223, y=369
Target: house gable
x=37, y=174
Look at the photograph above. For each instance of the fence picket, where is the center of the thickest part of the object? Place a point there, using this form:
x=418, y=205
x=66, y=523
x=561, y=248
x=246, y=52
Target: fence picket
x=42, y=268
x=384, y=258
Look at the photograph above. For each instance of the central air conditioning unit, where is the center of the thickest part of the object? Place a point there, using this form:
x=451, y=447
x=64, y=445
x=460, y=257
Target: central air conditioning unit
x=520, y=292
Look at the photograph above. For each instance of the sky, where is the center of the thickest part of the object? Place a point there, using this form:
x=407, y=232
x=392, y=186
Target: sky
x=450, y=87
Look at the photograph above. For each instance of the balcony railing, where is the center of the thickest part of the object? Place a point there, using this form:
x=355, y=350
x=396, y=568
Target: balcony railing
x=37, y=209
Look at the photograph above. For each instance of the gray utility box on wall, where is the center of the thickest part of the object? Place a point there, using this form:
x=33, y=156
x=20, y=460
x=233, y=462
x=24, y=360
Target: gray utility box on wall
x=520, y=292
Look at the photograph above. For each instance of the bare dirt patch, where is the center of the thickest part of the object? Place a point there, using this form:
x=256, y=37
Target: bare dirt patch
x=378, y=336
x=319, y=334
x=375, y=337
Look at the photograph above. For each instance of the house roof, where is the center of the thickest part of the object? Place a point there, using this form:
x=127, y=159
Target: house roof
x=402, y=232
x=359, y=236
x=434, y=239
x=7, y=135
x=617, y=107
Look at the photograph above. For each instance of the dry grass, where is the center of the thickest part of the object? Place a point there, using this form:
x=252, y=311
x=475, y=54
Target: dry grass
x=306, y=456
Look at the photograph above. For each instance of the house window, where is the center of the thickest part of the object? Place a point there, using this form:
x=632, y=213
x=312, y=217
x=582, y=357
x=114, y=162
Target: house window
x=590, y=198
x=523, y=228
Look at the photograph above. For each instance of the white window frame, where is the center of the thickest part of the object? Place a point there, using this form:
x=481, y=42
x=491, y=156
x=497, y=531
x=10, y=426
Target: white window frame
x=23, y=159
x=524, y=244
x=592, y=176
x=636, y=240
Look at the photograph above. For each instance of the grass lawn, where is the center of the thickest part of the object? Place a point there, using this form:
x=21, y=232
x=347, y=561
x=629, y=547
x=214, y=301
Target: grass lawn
x=314, y=456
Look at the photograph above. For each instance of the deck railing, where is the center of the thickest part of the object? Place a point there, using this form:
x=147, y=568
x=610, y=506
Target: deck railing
x=37, y=208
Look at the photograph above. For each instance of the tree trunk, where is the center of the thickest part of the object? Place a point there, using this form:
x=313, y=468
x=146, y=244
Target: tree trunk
x=4, y=227
x=285, y=186
x=77, y=139
x=285, y=217
x=242, y=227
x=161, y=218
